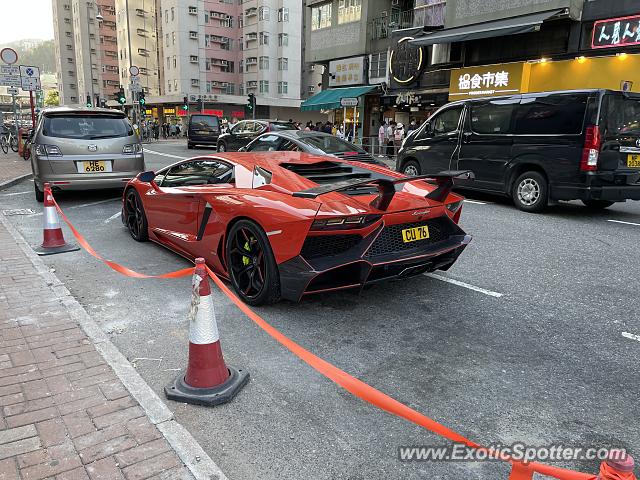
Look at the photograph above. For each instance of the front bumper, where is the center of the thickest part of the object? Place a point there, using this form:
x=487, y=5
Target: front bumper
x=609, y=186
x=365, y=263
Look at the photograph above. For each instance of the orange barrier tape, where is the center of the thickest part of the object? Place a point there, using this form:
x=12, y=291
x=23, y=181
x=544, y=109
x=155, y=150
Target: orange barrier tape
x=113, y=265
x=378, y=399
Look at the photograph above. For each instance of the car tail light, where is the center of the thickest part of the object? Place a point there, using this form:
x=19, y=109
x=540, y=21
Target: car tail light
x=345, y=223
x=48, y=150
x=591, y=149
x=132, y=149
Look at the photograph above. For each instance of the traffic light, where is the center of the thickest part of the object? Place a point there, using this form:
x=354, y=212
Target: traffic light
x=141, y=99
x=120, y=96
x=89, y=104
x=251, y=105
x=185, y=104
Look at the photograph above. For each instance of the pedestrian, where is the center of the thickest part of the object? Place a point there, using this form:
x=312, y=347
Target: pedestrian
x=382, y=139
x=389, y=138
x=172, y=130
x=413, y=126
x=340, y=132
x=309, y=126
x=156, y=130
x=231, y=124
x=398, y=135
x=177, y=130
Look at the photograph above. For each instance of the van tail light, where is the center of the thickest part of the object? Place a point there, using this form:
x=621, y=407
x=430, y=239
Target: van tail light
x=591, y=150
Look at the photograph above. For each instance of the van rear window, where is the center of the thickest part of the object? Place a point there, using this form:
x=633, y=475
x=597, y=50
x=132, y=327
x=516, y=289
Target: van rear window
x=622, y=116
x=204, y=121
x=86, y=127
x=548, y=115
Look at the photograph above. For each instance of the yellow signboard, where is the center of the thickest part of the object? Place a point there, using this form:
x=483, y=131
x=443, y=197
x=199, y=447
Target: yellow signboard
x=489, y=80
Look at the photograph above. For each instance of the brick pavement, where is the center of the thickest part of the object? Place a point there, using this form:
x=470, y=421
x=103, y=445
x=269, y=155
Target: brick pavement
x=12, y=166
x=64, y=414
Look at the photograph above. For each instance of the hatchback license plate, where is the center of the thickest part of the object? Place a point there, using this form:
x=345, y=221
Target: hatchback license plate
x=94, y=167
x=414, y=234
x=633, y=161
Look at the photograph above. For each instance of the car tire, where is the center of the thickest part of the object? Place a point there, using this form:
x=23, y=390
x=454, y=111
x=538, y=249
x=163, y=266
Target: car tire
x=190, y=145
x=222, y=147
x=411, y=168
x=530, y=192
x=597, y=204
x=39, y=193
x=135, y=218
x=249, y=259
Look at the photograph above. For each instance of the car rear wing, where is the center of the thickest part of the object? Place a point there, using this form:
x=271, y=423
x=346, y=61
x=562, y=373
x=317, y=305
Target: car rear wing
x=386, y=187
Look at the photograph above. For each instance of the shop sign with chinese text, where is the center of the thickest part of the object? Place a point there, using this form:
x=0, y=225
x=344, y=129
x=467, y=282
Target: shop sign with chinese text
x=616, y=32
x=487, y=80
x=349, y=71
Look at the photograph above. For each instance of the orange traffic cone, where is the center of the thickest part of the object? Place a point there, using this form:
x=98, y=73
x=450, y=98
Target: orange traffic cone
x=207, y=380
x=53, y=240
x=618, y=466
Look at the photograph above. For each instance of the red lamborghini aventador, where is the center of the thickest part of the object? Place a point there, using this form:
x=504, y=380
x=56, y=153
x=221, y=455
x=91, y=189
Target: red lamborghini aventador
x=288, y=224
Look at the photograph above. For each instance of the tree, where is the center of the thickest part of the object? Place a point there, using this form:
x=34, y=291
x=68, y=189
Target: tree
x=52, y=99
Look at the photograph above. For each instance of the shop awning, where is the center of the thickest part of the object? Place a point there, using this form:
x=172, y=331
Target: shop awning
x=330, y=98
x=496, y=28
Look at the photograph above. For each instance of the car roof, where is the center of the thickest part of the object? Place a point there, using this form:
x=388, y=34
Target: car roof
x=526, y=95
x=295, y=134
x=264, y=120
x=82, y=111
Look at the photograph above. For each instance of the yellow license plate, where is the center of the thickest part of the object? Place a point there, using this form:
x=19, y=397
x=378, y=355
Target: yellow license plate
x=633, y=161
x=94, y=167
x=414, y=234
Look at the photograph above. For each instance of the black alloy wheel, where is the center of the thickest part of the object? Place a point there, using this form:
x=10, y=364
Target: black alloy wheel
x=222, y=147
x=134, y=216
x=252, y=266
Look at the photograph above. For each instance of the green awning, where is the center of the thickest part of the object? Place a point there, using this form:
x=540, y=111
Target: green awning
x=330, y=99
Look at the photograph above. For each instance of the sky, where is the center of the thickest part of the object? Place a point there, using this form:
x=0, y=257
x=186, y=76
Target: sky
x=26, y=19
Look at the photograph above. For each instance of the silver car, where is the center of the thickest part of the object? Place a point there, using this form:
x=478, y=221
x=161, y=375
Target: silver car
x=83, y=149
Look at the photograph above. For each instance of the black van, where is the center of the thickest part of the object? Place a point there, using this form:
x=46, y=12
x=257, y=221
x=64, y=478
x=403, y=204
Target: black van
x=536, y=147
x=203, y=130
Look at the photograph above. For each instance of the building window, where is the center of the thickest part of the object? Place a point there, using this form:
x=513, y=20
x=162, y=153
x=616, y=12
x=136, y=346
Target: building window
x=264, y=38
x=321, y=16
x=166, y=20
x=193, y=10
x=230, y=89
x=173, y=14
x=173, y=38
x=206, y=17
x=264, y=63
x=349, y=11
x=175, y=85
x=175, y=62
x=207, y=40
x=168, y=63
x=241, y=89
x=283, y=64
x=228, y=67
x=312, y=88
x=264, y=86
x=283, y=88
x=167, y=39
x=378, y=65
x=263, y=13
x=169, y=85
x=227, y=21
x=283, y=39
x=195, y=82
x=193, y=58
x=283, y=14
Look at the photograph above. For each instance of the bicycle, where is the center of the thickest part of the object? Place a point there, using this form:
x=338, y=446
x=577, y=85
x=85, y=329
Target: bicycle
x=26, y=148
x=9, y=139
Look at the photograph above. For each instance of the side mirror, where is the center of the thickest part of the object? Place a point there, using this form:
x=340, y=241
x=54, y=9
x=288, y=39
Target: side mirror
x=147, y=177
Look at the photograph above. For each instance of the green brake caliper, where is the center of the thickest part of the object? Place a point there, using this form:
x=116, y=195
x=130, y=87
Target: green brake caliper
x=246, y=260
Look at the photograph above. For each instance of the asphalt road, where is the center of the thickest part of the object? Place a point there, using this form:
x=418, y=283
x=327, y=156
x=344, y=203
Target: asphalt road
x=529, y=348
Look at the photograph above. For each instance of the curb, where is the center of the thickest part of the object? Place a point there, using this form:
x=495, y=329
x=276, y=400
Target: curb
x=200, y=465
x=13, y=181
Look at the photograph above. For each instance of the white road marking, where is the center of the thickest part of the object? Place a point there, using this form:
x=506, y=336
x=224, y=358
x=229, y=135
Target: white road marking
x=153, y=152
x=625, y=223
x=465, y=285
x=631, y=336
x=475, y=202
x=112, y=217
x=85, y=205
x=16, y=193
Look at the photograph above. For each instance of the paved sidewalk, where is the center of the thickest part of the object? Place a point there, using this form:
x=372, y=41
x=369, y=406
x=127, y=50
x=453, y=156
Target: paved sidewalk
x=12, y=166
x=64, y=413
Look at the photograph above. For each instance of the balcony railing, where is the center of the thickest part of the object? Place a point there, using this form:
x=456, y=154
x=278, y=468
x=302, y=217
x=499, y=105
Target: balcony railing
x=429, y=13
x=426, y=13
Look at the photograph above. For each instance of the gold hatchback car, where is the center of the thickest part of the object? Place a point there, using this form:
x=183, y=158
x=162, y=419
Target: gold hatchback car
x=84, y=149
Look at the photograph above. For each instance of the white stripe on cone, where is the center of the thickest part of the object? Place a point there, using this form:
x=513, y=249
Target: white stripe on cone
x=204, y=328
x=51, y=218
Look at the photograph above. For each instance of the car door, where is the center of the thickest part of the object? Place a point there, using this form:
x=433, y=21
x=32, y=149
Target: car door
x=173, y=210
x=232, y=140
x=244, y=135
x=437, y=142
x=487, y=141
x=265, y=143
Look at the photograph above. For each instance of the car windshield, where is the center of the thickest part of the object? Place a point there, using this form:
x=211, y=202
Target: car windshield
x=623, y=116
x=329, y=144
x=277, y=126
x=204, y=121
x=86, y=127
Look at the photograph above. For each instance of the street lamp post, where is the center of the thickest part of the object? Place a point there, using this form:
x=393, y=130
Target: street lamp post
x=90, y=91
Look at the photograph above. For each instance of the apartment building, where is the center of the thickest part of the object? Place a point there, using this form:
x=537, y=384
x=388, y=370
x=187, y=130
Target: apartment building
x=137, y=40
x=86, y=51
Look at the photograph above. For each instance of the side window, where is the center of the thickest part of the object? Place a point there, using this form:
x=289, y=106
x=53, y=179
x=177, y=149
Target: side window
x=266, y=143
x=198, y=172
x=491, y=117
x=446, y=122
x=289, y=146
x=239, y=128
x=553, y=114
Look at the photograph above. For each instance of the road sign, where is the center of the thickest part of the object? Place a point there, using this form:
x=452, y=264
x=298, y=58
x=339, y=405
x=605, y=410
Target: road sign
x=10, y=81
x=9, y=55
x=135, y=87
x=12, y=91
x=29, y=71
x=349, y=102
x=10, y=70
x=134, y=71
x=30, y=77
